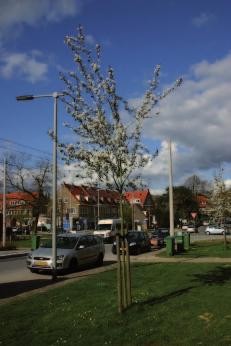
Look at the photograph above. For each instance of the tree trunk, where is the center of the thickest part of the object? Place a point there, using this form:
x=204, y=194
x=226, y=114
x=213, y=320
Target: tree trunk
x=123, y=269
x=35, y=223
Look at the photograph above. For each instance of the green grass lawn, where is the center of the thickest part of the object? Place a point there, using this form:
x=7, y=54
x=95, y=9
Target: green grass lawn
x=212, y=248
x=173, y=304
x=25, y=241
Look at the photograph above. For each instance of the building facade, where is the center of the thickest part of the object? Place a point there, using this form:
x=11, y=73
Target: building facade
x=19, y=209
x=80, y=207
x=142, y=206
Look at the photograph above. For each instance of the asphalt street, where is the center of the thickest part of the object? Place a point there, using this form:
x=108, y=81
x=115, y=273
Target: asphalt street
x=15, y=278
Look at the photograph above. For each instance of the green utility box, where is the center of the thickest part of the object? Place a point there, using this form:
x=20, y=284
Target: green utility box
x=170, y=245
x=186, y=241
x=35, y=241
x=179, y=240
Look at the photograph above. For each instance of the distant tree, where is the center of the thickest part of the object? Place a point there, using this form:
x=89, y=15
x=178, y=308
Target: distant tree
x=197, y=185
x=184, y=203
x=108, y=143
x=35, y=182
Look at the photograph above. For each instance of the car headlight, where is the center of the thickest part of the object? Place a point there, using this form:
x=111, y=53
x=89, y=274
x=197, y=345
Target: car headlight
x=132, y=244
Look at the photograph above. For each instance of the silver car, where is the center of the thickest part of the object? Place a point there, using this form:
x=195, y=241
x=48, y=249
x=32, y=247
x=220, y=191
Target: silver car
x=73, y=251
x=213, y=229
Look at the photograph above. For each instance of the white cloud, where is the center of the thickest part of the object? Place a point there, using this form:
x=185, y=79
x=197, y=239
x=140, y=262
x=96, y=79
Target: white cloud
x=228, y=183
x=203, y=19
x=30, y=12
x=23, y=65
x=197, y=118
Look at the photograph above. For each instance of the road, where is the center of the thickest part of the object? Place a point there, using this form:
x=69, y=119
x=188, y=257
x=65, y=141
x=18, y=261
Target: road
x=15, y=278
x=14, y=269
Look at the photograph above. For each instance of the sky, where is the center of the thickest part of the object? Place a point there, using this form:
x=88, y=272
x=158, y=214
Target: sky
x=189, y=39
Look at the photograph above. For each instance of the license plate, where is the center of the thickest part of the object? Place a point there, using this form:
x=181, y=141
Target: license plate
x=41, y=263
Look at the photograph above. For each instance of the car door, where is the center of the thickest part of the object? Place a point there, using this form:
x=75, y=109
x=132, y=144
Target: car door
x=142, y=241
x=85, y=250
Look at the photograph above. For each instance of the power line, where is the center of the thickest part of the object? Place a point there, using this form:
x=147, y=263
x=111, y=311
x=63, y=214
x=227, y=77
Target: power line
x=22, y=152
x=25, y=146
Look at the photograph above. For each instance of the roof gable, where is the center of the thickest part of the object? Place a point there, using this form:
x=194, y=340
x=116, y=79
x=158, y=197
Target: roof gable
x=142, y=196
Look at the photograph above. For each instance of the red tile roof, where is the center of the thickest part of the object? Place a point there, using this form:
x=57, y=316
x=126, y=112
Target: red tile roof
x=137, y=195
x=203, y=200
x=92, y=192
x=19, y=196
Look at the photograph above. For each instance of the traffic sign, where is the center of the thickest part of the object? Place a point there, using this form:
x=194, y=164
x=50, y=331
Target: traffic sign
x=193, y=215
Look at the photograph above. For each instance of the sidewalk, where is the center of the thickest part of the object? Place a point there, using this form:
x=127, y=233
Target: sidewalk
x=153, y=257
x=13, y=253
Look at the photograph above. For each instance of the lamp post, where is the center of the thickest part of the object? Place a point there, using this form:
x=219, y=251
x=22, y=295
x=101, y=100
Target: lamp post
x=4, y=206
x=98, y=206
x=171, y=213
x=55, y=97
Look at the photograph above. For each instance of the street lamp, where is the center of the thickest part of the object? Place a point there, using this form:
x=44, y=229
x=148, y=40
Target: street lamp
x=171, y=212
x=55, y=96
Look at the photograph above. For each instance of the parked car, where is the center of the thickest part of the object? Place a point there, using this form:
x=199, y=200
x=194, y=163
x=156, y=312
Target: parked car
x=191, y=228
x=138, y=242
x=214, y=229
x=184, y=227
x=156, y=239
x=73, y=251
x=164, y=231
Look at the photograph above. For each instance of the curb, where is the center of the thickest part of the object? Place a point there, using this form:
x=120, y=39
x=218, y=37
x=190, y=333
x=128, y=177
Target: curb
x=13, y=255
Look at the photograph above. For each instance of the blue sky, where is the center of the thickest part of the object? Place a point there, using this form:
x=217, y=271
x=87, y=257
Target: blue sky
x=189, y=39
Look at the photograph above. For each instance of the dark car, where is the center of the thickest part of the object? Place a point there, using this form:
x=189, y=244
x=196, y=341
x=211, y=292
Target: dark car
x=164, y=231
x=156, y=239
x=138, y=242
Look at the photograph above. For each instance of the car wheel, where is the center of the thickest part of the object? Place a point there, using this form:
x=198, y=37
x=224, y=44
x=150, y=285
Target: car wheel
x=223, y=233
x=99, y=261
x=73, y=266
x=207, y=233
x=113, y=250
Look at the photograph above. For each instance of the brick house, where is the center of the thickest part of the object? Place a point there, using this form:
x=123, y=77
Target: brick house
x=142, y=208
x=79, y=207
x=203, y=201
x=19, y=209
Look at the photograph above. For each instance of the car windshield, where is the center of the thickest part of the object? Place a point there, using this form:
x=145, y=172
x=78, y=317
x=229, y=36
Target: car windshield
x=62, y=243
x=132, y=236
x=104, y=227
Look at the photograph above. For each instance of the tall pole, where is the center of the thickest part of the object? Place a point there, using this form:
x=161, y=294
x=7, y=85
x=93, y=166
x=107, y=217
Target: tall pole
x=171, y=214
x=98, y=205
x=4, y=206
x=55, y=96
x=54, y=187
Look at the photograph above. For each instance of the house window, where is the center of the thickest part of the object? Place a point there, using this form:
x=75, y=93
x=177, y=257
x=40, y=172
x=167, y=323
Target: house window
x=71, y=210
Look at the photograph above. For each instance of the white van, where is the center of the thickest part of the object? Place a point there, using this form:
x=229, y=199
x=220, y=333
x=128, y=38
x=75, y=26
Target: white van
x=107, y=229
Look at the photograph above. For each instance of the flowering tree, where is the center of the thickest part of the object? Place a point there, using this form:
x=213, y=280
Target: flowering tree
x=108, y=146
x=221, y=200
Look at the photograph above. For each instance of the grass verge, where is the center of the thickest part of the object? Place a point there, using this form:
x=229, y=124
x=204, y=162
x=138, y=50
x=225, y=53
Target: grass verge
x=212, y=248
x=173, y=304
